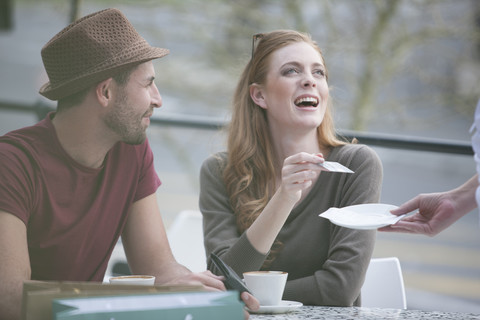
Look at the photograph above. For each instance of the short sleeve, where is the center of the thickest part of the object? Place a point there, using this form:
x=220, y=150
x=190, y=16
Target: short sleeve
x=149, y=180
x=16, y=181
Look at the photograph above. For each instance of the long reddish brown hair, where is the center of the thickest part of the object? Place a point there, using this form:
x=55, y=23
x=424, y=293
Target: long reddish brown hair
x=249, y=173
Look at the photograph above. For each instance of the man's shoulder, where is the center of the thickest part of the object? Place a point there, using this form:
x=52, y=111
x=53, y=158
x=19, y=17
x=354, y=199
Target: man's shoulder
x=19, y=143
x=31, y=135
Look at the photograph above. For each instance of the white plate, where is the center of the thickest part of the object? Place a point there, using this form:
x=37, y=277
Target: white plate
x=283, y=307
x=362, y=216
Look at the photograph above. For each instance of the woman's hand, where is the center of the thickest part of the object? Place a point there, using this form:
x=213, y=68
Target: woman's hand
x=299, y=171
x=298, y=174
x=250, y=302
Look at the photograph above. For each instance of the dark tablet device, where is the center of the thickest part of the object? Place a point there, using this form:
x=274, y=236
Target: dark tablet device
x=232, y=280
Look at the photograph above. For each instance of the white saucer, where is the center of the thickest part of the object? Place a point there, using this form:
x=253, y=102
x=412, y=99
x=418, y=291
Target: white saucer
x=283, y=307
x=362, y=216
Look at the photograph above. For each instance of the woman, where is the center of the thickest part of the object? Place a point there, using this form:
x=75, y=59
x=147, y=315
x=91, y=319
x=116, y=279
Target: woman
x=261, y=200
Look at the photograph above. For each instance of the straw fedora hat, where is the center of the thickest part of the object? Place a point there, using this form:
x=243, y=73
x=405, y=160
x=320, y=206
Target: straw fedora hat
x=92, y=49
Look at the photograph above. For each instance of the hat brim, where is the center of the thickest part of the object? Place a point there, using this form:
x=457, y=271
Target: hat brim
x=86, y=80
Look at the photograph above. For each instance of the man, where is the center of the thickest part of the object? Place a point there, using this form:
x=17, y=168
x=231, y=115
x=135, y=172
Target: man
x=73, y=183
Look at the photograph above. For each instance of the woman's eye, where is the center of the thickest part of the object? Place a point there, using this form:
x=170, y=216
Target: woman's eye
x=290, y=71
x=319, y=72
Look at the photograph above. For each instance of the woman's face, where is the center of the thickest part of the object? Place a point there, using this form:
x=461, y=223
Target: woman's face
x=295, y=92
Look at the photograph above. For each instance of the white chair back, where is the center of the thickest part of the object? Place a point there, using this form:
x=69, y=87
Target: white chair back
x=384, y=286
x=185, y=236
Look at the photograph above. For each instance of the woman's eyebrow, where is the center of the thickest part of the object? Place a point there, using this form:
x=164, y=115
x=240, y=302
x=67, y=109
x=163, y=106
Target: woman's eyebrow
x=298, y=64
x=294, y=63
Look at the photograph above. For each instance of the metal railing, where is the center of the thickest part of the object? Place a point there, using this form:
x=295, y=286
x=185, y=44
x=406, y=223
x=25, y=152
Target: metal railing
x=208, y=123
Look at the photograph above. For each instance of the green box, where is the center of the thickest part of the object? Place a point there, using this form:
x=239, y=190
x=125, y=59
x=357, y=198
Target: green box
x=166, y=306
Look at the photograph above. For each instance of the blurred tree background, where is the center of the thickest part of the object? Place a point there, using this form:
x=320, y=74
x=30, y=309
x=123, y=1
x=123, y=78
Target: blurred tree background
x=406, y=65
x=396, y=64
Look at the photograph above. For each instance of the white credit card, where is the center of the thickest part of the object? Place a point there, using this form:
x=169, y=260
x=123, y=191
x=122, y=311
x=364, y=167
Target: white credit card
x=333, y=166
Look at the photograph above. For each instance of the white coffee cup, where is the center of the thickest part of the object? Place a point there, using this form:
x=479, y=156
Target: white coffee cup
x=141, y=280
x=266, y=286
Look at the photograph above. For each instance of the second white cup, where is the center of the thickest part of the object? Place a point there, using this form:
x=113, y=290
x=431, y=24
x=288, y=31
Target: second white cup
x=266, y=286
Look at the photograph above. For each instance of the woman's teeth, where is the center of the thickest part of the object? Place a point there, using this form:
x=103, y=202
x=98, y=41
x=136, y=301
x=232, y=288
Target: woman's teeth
x=307, y=101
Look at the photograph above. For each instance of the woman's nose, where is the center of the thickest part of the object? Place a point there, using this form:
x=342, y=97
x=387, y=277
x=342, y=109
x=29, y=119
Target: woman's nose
x=308, y=81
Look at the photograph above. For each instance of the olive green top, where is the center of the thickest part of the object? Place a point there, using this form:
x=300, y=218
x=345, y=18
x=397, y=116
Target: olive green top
x=326, y=264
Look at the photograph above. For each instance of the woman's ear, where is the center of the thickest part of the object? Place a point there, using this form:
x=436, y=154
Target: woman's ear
x=256, y=93
x=103, y=92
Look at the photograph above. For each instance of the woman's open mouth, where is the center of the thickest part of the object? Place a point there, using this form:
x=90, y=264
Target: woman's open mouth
x=306, y=102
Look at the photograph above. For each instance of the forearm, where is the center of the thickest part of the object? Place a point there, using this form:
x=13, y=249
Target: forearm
x=11, y=298
x=14, y=265
x=220, y=230
x=263, y=232
x=153, y=258
x=241, y=256
x=146, y=244
x=170, y=272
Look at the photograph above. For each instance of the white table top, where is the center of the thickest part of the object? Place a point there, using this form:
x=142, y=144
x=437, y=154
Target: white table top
x=319, y=313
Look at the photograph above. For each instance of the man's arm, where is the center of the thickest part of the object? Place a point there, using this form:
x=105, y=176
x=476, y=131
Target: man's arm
x=148, y=251
x=14, y=265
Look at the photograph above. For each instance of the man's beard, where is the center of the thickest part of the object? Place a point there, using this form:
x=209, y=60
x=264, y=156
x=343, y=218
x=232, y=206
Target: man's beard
x=125, y=122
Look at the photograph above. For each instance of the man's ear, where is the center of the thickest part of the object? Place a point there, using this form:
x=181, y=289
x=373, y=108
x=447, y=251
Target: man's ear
x=103, y=91
x=256, y=93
